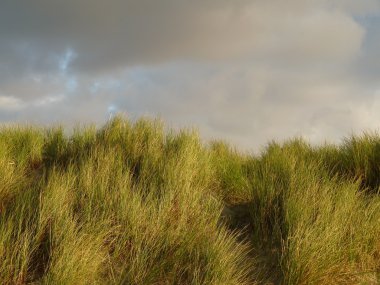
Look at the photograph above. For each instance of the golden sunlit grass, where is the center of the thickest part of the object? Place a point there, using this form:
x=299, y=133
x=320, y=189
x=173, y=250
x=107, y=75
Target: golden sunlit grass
x=132, y=204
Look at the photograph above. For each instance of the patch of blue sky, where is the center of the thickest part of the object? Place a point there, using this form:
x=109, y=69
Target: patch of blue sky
x=66, y=59
x=368, y=63
x=108, y=84
x=168, y=74
x=112, y=108
x=71, y=85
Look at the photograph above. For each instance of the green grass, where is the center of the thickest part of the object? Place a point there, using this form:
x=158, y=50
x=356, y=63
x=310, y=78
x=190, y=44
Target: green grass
x=131, y=203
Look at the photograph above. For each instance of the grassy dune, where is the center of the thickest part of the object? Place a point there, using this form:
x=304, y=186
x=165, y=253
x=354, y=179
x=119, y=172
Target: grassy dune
x=130, y=203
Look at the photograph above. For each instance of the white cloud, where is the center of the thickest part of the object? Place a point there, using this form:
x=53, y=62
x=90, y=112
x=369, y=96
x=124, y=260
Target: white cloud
x=47, y=100
x=11, y=103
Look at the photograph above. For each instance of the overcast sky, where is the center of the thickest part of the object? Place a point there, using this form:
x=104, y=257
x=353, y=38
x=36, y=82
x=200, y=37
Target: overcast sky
x=247, y=71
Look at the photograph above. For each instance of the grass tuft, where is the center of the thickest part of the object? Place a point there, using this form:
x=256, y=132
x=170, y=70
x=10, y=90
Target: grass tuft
x=131, y=203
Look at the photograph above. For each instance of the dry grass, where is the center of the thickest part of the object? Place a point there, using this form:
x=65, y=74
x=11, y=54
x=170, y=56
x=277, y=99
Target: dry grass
x=132, y=204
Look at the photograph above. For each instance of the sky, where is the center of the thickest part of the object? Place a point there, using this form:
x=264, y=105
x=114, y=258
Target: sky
x=246, y=71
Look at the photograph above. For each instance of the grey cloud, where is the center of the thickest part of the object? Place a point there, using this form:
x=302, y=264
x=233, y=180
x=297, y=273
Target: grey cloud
x=245, y=104
x=244, y=70
x=248, y=105
x=110, y=34
x=367, y=65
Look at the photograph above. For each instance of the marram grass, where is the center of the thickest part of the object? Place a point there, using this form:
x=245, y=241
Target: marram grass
x=131, y=203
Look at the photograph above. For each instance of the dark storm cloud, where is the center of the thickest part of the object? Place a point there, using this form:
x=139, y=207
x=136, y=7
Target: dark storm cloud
x=112, y=33
x=109, y=34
